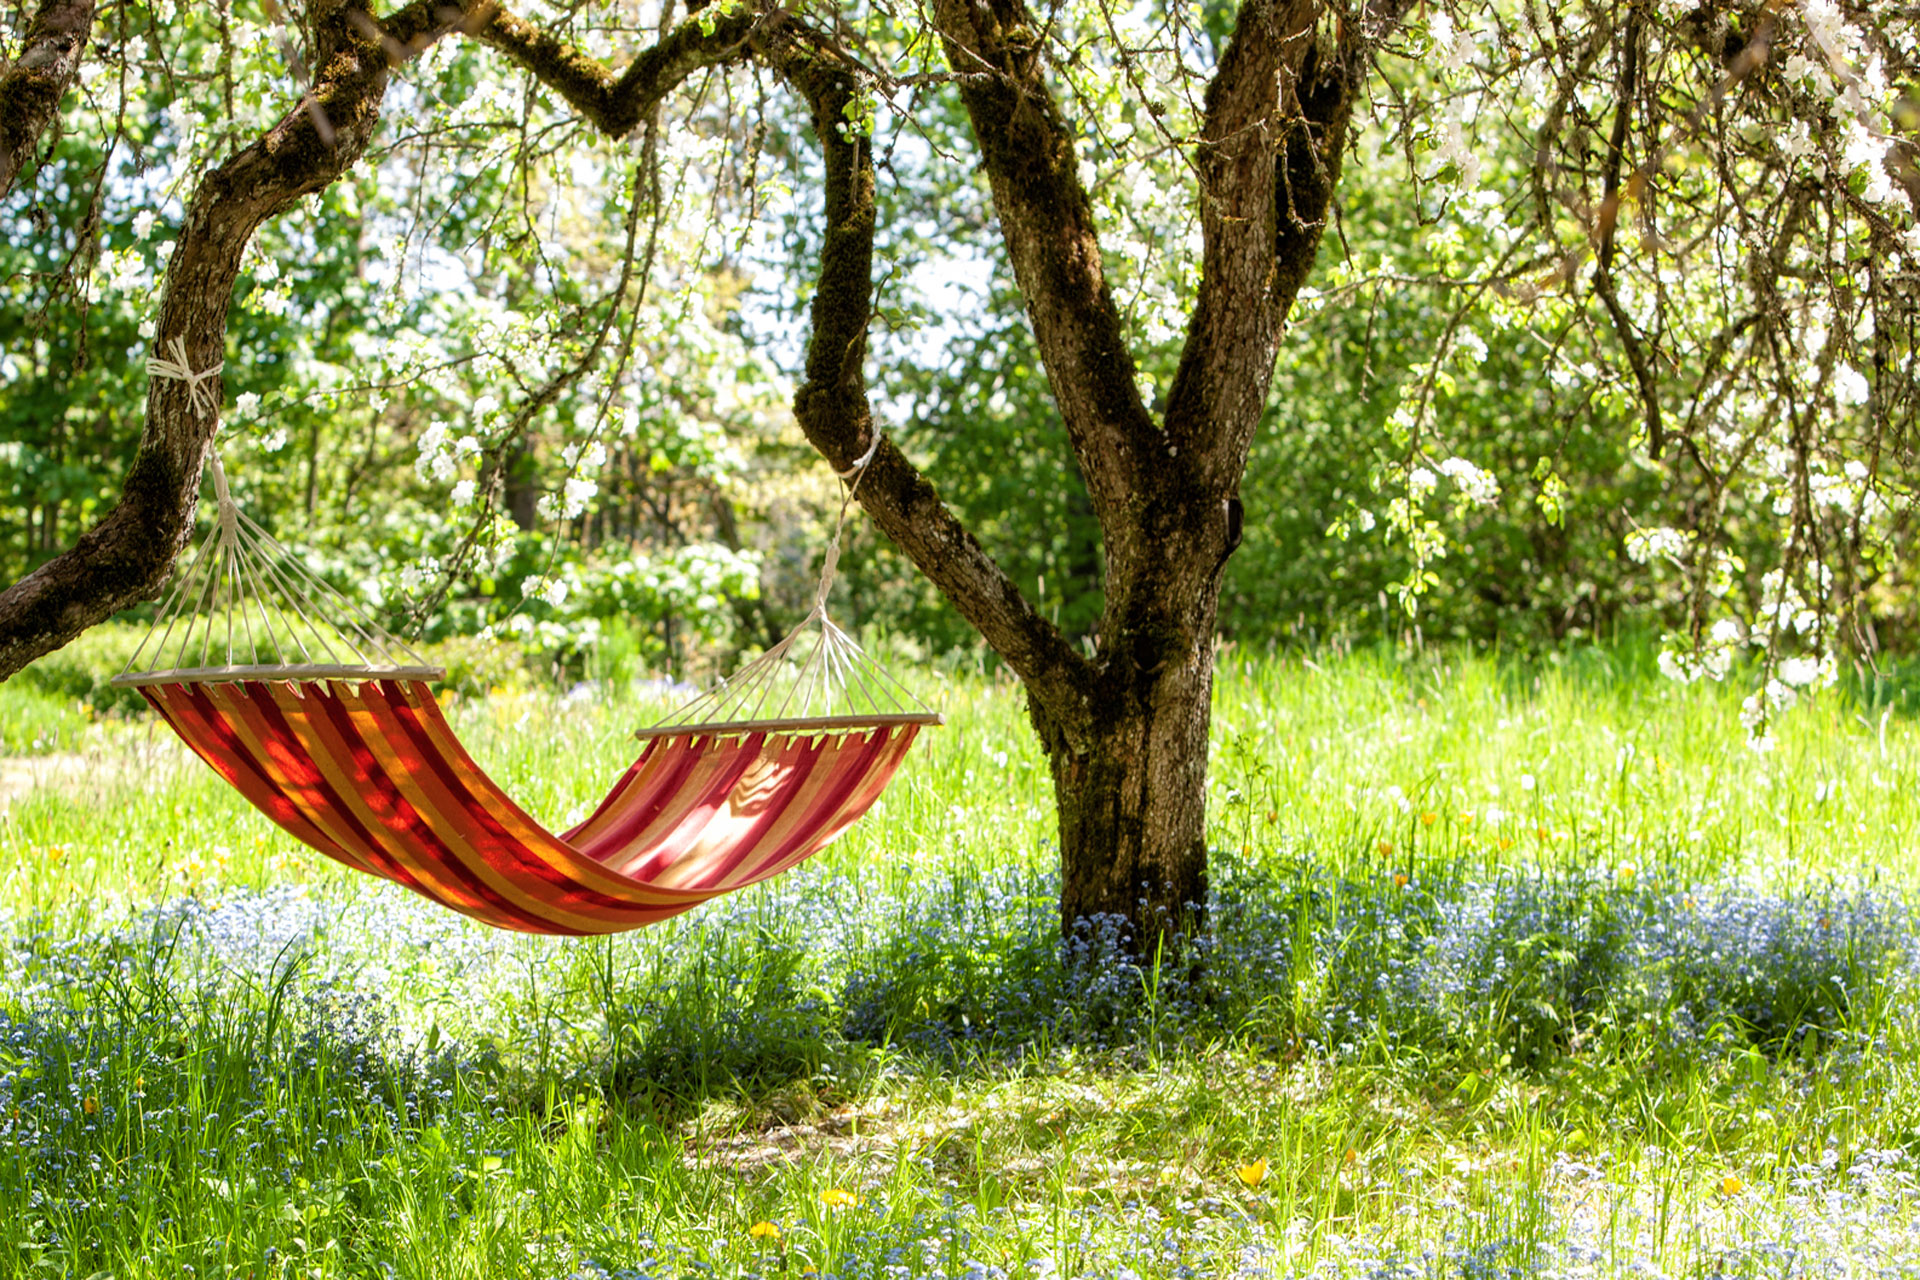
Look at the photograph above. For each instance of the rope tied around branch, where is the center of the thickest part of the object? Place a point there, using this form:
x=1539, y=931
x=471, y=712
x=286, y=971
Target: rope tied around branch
x=831, y=564
x=199, y=394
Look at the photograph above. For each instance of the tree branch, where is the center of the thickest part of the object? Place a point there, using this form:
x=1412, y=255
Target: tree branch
x=1047, y=222
x=31, y=88
x=833, y=410
x=1638, y=357
x=126, y=557
x=617, y=104
x=1226, y=368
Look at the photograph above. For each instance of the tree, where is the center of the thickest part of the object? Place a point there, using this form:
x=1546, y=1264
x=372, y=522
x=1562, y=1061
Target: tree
x=1244, y=118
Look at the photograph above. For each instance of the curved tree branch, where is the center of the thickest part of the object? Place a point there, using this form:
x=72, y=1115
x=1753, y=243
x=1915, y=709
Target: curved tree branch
x=125, y=558
x=31, y=88
x=834, y=413
x=831, y=404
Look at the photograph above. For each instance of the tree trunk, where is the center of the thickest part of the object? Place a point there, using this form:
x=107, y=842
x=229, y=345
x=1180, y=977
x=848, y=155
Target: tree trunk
x=1131, y=801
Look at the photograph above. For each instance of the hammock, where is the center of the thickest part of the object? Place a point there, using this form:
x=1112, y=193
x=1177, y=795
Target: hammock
x=326, y=724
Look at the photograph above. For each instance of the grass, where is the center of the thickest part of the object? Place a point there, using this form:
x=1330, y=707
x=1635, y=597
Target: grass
x=1511, y=970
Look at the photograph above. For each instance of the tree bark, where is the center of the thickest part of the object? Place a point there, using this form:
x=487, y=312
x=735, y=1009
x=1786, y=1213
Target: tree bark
x=31, y=88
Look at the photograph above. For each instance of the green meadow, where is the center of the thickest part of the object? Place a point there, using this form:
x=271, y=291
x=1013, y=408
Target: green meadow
x=1510, y=969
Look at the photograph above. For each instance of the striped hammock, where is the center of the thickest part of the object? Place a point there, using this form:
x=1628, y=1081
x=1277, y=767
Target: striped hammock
x=326, y=724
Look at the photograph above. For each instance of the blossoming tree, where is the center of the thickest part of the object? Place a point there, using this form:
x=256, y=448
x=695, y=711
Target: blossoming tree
x=1704, y=215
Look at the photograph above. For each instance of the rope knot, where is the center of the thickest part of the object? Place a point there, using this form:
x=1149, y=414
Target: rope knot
x=199, y=394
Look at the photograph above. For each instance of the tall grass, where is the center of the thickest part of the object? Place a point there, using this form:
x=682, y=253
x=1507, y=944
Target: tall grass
x=1510, y=970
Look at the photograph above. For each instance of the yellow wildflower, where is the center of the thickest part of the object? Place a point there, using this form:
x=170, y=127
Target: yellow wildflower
x=1731, y=1185
x=1428, y=818
x=764, y=1231
x=837, y=1198
x=1254, y=1174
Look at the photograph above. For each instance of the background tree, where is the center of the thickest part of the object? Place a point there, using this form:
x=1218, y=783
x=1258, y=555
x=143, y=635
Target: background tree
x=1689, y=232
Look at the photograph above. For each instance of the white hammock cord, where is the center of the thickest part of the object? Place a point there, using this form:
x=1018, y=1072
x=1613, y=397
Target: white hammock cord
x=239, y=564
x=835, y=671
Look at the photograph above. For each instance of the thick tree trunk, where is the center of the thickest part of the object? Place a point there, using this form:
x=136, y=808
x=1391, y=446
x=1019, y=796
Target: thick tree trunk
x=1132, y=805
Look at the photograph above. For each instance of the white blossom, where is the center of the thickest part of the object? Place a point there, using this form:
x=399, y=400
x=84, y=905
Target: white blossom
x=1476, y=486
x=1850, y=386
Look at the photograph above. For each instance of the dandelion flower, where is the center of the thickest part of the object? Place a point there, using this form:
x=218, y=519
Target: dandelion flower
x=1254, y=1174
x=1731, y=1185
x=838, y=1198
x=1428, y=818
x=764, y=1231
x=1626, y=872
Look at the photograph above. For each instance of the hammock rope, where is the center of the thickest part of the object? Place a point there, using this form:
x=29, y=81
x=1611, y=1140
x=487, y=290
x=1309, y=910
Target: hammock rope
x=326, y=723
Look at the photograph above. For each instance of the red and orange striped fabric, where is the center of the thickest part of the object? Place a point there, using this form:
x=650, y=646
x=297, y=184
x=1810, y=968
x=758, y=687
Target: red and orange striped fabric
x=370, y=774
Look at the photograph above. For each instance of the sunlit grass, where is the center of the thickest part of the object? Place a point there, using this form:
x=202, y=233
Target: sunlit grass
x=1651, y=1008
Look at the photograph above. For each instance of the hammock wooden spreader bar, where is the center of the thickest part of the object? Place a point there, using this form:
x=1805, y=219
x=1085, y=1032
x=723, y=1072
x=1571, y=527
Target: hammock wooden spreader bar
x=371, y=775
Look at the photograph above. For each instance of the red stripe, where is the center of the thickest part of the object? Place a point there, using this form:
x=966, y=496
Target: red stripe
x=638, y=848
x=293, y=757
x=205, y=729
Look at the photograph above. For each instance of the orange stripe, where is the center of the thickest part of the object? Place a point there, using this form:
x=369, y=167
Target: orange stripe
x=214, y=739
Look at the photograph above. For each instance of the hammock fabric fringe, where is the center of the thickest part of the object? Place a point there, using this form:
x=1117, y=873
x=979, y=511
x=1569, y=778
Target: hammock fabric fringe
x=369, y=773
